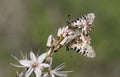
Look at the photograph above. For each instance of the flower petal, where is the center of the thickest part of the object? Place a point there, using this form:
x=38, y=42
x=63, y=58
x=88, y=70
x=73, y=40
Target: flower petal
x=46, y=75
x=59, y=67
x=49, y=75
x=42, y=57
x=60, y=74
x=25, y=63
x=49, y=41
x=66, y=28
x=37, y=72
x=33, y=57
x=16, y=65
x=49, y=51
x=63, y=41
x=52, y=75
x=15, y=57
x=45, y=65
x=63, y=29
x=30, y=70
x=63, y=72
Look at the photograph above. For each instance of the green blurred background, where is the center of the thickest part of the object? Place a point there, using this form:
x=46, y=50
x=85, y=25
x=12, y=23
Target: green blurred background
x=26, y=24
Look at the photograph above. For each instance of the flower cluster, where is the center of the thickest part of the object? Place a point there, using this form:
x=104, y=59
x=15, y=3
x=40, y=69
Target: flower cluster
x=37, y=65
x=75, y=36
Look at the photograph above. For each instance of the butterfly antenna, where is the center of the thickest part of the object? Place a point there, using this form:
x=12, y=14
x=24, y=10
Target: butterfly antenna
x=68, y=17
x=68, y=22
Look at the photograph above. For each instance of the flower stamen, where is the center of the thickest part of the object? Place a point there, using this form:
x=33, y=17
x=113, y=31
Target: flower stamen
x=35, y=64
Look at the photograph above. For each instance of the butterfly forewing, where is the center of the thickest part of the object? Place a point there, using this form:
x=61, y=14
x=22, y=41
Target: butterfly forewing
x=83, y=23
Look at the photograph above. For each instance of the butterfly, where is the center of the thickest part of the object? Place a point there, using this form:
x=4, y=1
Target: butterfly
x=81, y=42
x=83, y=23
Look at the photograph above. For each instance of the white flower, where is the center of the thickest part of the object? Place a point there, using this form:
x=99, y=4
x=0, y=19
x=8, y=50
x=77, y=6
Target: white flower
x=56, y=72
x=21, y=73
x=35, y=64
x=63, y=41
x=62, y=32
x=59, y=32
x=91, y=17
x=51, y=41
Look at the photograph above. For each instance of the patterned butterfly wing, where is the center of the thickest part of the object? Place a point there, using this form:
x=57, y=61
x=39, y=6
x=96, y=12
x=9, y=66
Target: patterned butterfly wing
x=79, y=46
x=83, y=23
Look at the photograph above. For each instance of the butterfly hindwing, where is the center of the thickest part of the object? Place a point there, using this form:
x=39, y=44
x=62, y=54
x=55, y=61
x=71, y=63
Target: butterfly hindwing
x=83, y=49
